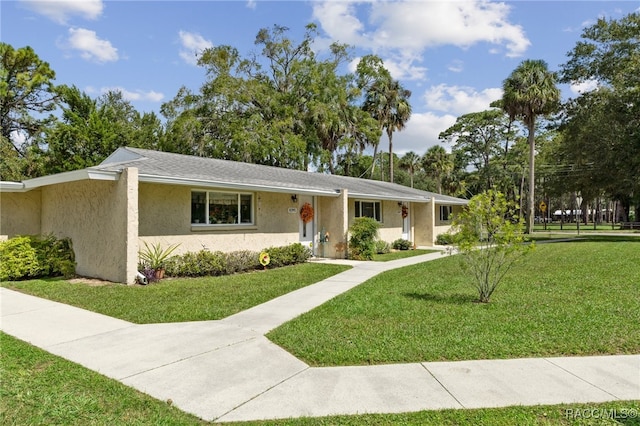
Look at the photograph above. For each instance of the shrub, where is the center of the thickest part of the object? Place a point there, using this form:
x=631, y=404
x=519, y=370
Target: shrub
x=196, y=264
x=382, y=247
x=207, y=263
x=18, y=259
x=362, y=244
x=287, y=255
x=490, y=238
x=31, y=257
x=241, y=261
x=55, y=255
x=402, y=244
x=445, y=239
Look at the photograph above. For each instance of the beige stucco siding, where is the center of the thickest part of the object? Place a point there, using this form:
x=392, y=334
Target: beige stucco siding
x=422, y=218
x=164, y=210
x=20, y=213
x=165, y=218
x=101, y=219
x=332, y=216
x=391, y=225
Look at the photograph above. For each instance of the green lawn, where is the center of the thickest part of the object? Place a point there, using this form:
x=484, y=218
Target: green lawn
x=39, y=388
x=400, y=254
x=578, y=298
x=177, y=300
x=42, y=389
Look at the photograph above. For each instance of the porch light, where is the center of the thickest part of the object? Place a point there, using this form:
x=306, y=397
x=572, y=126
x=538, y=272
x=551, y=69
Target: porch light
x=294, y=198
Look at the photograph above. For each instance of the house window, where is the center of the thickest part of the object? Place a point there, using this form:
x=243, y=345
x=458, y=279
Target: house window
x=370, y=209
x=221, y=208
x=445, y=213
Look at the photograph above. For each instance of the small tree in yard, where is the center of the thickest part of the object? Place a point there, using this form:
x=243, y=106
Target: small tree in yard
x=490, y=238
x=364, y=233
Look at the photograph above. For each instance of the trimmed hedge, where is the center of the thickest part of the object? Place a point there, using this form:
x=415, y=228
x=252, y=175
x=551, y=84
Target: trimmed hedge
x=402, y=244
x=208, y=263
x=30, y=256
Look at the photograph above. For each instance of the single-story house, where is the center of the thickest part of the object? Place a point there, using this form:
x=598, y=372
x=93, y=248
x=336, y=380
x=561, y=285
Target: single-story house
x=138, y=195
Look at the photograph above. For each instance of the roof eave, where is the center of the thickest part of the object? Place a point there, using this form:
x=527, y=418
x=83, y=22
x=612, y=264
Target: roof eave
x=201, y=183
x=73, y=176
x=416, y=199
x=6, y=186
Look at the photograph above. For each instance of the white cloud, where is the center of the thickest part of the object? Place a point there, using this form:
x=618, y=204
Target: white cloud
x=61, y=11
x=420, y=133
x=460, y=100
x=252, y=4
x=132, y=96
x=456, y=66
x=192, y=45
x=407, y=28
x=90, y=46
x=583, y=87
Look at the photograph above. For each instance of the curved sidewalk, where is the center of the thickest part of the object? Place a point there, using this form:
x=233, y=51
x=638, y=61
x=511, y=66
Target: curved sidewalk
x=227, y=370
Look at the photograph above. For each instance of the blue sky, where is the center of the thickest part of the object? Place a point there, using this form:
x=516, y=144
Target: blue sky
x=453, y=55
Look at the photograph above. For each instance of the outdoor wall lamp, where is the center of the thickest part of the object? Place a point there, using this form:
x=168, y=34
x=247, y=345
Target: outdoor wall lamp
x=294, y=198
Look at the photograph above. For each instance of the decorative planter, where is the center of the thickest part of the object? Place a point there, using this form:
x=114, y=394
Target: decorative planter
x=159, y=273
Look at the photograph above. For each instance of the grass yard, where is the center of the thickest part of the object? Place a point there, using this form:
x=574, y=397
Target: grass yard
x=185, y=299
x=40, y=388
x=578, y=298
x=400, y=254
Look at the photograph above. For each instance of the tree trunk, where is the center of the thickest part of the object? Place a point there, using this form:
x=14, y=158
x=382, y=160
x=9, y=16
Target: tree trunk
x=373, y=163
x=390, y=156
x=532, y=183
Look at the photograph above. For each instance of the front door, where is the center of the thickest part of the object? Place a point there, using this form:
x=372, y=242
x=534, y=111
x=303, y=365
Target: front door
x=306, y=230
x=406, y=223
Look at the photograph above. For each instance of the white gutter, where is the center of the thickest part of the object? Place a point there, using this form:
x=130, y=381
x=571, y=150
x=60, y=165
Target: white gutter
x=168, y=180
x=388, y=197
x=73, y=176
x=6, y=186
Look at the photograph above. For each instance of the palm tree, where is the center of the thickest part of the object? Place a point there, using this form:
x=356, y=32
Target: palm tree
x=530, y=91
x=410, y=162
x=438, y=164
x=388, y=102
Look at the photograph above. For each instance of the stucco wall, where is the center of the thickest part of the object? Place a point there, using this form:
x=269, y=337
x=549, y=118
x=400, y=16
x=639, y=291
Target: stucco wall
x=422, y=218
x=391, y=226
x=100, y=218
x=20, y=213
x=332, y=216
x=165, y=218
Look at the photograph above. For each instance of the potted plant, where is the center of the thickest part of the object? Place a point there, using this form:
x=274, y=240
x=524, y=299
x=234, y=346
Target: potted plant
x=154, y=257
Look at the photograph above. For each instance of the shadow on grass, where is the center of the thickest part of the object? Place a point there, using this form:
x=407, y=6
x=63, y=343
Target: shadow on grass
x=453, y=299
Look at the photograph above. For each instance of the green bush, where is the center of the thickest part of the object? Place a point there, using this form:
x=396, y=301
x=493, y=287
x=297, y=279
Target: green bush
x=402, y=244
x=196, y=264
x=362, y=243
x=445, y=239
x=382, y=247
x=18, y=259
x=287, y=255
x=241, y=261
x=32, y=256
x=207, y=263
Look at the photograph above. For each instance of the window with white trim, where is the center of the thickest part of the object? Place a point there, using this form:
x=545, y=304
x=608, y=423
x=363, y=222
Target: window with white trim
x=445, y=213
x=372, y=209
x=221, y=208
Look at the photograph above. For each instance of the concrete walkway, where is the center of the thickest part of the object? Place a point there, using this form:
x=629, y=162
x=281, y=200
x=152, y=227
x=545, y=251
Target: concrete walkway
x=228, y=371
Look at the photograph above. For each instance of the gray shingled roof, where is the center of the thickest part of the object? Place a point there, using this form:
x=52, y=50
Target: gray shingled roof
x=156, y=166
